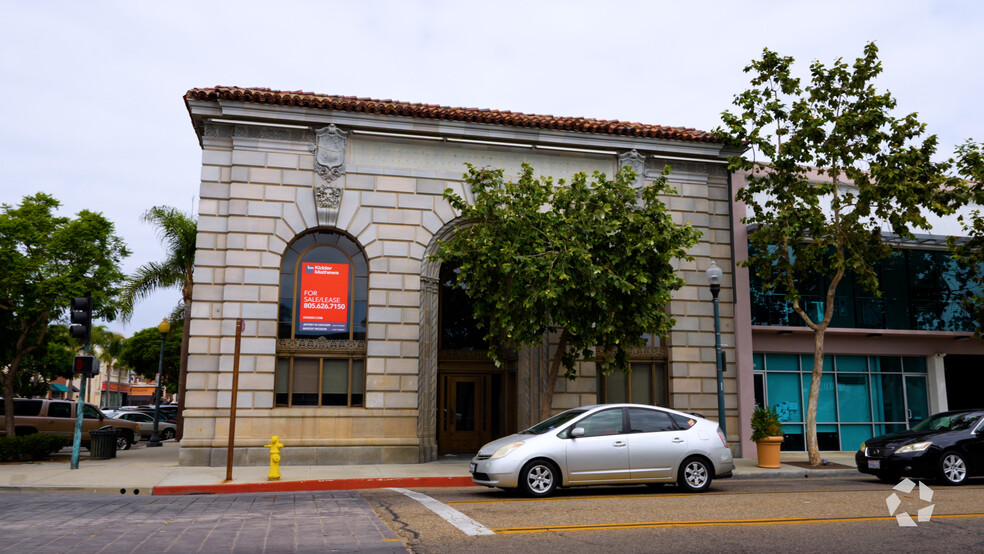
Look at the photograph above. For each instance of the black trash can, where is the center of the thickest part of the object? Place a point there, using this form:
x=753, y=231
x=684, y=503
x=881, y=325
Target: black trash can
x=102, y=443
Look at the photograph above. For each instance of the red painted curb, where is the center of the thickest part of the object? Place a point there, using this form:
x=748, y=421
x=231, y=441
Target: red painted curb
x=313, y=485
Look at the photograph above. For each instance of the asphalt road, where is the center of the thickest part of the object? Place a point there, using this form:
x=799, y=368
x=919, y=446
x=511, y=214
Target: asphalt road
x=741, y=516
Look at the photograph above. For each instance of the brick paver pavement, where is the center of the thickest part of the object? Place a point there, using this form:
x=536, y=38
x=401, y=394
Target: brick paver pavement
x=336, y=521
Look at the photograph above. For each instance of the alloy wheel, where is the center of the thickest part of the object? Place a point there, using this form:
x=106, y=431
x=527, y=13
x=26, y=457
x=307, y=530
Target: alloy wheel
x=540, y=478
x=954, y=468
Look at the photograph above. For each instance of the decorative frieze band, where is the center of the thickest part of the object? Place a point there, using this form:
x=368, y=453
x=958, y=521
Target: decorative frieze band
x=321, y=344
x=218, y=130
x=656, y=165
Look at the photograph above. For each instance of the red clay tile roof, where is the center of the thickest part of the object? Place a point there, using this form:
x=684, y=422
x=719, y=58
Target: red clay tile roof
x=430, y=111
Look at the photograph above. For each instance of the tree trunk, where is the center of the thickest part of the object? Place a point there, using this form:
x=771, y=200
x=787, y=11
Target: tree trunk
x=812, y=447
x=183, y=370
x=546, y=403
x=8, y=400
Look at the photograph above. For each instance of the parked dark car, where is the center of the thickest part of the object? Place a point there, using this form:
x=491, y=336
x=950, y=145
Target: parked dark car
x=168, y=412
x=948, y=446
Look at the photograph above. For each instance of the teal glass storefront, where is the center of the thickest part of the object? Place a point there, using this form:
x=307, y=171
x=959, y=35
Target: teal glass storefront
x=860, y=396
x=921, y=290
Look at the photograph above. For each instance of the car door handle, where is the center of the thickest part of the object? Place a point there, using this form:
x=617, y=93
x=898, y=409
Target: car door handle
x=677, y=439
x=619, y=444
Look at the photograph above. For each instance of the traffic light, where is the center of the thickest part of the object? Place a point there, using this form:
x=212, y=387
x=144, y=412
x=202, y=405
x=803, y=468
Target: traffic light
x=81, y=318
x=88, y=366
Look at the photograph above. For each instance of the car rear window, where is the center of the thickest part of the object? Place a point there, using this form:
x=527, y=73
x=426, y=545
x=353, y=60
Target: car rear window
x=683, y=421
x=23, y=407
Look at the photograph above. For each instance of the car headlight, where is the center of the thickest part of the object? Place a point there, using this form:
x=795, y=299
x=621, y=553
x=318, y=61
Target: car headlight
x=505, y=450
x=914, y=447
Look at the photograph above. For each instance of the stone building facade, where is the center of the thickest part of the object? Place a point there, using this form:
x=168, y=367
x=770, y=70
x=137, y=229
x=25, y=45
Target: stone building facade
x=291, y=180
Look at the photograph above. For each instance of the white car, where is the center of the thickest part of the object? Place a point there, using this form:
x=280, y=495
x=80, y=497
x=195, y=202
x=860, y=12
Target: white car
x=165, y=430
x=605, y=445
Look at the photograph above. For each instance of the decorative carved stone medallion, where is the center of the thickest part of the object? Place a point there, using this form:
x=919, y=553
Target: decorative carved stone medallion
x=329, y=162
x=636, y=161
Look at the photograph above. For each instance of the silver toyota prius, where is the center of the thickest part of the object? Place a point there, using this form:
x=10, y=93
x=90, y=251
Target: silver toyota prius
x=607, y=444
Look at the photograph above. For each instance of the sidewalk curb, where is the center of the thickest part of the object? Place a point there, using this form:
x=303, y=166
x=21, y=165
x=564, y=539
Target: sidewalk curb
x=787, y=473
x=81, y=490
x=314, y=485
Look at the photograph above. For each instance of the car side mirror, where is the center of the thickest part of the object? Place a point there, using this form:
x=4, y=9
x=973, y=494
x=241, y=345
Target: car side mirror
x=577, y=432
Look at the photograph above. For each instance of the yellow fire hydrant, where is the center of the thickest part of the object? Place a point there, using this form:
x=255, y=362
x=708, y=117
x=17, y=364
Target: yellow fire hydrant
x=274, y=447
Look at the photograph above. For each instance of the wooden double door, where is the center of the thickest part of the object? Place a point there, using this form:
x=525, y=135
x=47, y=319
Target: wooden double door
x=473, y=408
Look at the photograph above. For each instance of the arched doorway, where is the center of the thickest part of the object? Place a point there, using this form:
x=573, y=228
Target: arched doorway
x=475, y=399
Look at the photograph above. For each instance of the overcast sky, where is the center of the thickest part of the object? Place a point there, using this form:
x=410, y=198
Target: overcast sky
x=94, y=112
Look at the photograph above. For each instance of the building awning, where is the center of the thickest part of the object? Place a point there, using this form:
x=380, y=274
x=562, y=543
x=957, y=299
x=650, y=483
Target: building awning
x=59, y=388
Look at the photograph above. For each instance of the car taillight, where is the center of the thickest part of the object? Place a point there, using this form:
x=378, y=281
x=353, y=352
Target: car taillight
x=724, y=440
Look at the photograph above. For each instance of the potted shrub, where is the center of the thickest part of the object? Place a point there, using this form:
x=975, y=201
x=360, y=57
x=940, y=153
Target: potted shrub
x=767, y=434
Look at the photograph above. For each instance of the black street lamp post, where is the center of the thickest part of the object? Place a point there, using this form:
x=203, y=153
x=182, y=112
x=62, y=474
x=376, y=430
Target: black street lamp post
x=155, y=440
x=714, y=275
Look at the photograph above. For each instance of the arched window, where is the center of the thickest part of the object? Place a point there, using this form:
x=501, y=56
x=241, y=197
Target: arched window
x=324, y=284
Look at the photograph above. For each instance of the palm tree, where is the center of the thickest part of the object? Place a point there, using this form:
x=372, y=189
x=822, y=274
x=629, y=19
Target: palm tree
x=110, y=348
x=178, y=232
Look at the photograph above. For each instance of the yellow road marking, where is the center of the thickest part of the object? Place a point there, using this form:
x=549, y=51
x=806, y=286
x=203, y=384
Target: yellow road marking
x=629, y=496
x=707, y=523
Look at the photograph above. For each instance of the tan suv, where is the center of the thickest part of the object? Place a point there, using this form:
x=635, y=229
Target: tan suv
x=40, y=415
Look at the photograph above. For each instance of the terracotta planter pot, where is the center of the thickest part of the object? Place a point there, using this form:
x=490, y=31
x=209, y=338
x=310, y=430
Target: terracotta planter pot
x=768, y=451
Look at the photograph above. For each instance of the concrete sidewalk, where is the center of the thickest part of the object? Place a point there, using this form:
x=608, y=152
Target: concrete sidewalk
x=146, y=471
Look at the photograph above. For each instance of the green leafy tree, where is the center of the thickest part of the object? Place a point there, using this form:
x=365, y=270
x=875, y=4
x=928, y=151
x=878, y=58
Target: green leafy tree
x=47, y=260
x=839, y=170
x=178, y=231
x=53, y=358
x=592, y=262
x=970, y=252
x=142, y=353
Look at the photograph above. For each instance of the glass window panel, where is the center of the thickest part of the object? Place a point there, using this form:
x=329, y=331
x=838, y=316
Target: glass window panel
x=853, y=435
x=852, y=396
x=29, y=407
x=88, y=412
x=642, y=380
x=759, y=379
x=827, y=437
x=662, y=395
x=464, y=411
x=914, y=365
x=887, y=399
x=826, y=407
x=282, y=381
x=918, y=399
x=649, y=421
x=616, y=388
x=887, y=428
x=793, y=440
x=59, y=409
x=358, y=382
x=758, y=362
x=334, y=382
x=852, y=363
x=807, y=361
x=784, y=395
x=886, y=364
x=895, y=291
x=608, y=422
x=782, y=362
x=305, y=384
